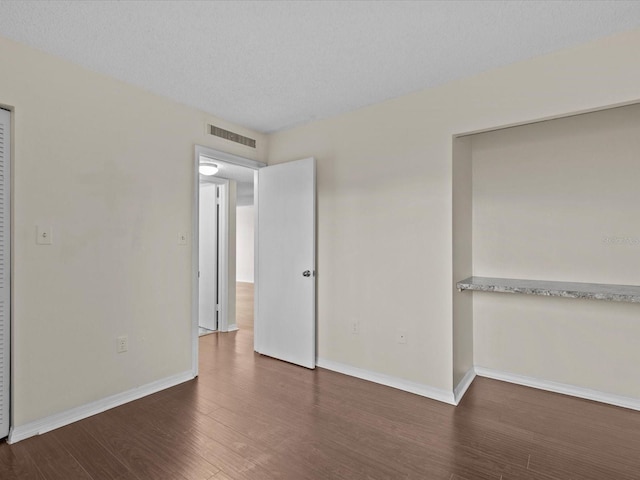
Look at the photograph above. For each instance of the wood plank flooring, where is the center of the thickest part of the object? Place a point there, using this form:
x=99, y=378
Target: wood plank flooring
x=251, y=417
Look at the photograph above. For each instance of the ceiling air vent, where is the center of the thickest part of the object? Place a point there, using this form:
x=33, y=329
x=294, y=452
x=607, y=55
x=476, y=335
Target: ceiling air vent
x=233, y=137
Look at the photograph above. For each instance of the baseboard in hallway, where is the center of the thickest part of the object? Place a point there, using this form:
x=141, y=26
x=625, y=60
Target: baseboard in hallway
x=204, y=331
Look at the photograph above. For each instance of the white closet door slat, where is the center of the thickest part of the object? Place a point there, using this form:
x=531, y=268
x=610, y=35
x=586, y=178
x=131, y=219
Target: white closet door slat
x=5, y=262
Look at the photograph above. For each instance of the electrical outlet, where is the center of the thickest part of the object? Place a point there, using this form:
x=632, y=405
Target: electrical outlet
x=401, y=336
x=354, y=327
x=122, y=344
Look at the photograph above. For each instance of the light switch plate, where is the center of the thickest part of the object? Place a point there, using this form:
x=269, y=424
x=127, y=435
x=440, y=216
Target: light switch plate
x=182, y=238
x=44, y=235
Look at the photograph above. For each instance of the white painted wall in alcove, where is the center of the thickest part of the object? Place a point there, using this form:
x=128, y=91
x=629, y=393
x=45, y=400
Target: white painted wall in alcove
x=559, y=200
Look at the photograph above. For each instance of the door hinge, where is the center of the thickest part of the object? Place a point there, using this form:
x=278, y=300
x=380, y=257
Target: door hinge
x=218, y=307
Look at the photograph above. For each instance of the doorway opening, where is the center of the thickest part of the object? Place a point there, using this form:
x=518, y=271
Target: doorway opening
x=223, y=244
x=284, y=311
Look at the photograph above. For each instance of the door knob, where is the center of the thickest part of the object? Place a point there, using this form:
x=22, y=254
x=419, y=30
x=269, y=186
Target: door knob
x=306, y=273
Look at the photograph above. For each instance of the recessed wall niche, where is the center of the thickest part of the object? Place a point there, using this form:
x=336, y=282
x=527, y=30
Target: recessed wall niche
x=555, y=200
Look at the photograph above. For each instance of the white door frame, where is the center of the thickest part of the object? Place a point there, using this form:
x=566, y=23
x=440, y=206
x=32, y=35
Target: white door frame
x=223, y=276
x=222, y=285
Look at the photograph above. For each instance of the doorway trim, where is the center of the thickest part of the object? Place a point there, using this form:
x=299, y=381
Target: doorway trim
x=222, y=260
x=223, y=158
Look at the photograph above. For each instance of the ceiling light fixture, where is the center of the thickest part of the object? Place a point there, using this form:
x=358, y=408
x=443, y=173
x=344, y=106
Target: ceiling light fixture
x=208, y=168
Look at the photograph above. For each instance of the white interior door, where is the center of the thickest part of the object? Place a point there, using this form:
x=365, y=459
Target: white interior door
x=285, y=326
x=5, y=263
x=208, y=257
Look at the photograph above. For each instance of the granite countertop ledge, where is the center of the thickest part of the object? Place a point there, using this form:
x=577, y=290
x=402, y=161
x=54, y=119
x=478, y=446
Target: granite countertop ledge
x=548, y=288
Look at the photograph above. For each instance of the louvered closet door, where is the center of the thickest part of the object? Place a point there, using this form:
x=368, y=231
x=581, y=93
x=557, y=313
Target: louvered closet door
x=5, y=263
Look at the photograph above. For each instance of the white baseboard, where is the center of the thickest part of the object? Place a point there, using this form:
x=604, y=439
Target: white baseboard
x=580, y=392
x=465, y=383
x=231, y=328
x=58, y=420
x=61, y=419
x=389, y=381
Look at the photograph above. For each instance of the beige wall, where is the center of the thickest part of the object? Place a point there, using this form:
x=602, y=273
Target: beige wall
x=385, y=198
x=110, y=167
x=559, y=200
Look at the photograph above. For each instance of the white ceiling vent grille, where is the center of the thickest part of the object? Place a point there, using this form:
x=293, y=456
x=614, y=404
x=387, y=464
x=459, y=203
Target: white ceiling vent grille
x=231, y=136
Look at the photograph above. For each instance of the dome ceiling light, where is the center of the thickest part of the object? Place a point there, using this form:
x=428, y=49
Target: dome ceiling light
x=207, y=168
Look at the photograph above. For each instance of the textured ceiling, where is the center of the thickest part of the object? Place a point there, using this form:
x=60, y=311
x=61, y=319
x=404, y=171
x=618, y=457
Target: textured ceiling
x=272, y=65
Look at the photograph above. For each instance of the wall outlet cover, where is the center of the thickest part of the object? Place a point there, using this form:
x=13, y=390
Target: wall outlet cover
x=122, y=344
x=354, y=327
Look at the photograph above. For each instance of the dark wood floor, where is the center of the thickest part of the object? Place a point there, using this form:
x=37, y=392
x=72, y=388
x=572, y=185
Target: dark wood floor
x=250, y=417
